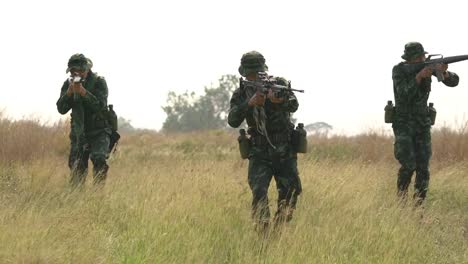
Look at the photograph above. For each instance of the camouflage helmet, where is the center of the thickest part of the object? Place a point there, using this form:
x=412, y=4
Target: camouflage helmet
x=80, y=62
x=252, y=61
x=413, y=50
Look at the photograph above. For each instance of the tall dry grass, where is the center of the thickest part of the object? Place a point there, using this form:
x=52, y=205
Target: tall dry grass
x=184, y=199
x=26, y=140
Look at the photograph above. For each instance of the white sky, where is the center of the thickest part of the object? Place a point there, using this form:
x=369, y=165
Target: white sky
x=340, y=52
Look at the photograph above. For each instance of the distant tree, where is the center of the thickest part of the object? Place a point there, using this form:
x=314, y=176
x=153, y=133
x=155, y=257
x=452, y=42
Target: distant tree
x=187, y=112
x=318, y=128
x=124, y=125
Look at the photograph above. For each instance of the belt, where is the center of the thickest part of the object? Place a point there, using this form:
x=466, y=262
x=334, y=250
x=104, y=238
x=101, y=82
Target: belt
x=274, y=138
x=415, y=109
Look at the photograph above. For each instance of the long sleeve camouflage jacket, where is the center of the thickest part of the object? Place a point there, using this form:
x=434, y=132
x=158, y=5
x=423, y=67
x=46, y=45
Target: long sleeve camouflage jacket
x=278, y=116
x=88, y=112
x=411, y=98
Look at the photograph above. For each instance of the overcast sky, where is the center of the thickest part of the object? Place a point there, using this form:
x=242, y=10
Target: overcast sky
x=340, y=52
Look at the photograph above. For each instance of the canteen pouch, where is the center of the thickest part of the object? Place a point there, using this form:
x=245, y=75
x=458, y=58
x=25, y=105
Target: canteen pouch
x=244, y=144
x=389, y=112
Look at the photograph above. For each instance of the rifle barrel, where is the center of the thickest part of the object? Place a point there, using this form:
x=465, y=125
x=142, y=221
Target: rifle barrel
x=270, y=86
x=456, y=59
x=282, y=87
x=448, y=60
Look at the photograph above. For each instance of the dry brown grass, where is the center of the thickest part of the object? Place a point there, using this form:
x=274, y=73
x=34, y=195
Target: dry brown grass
x=184, y=199
x=26, y=140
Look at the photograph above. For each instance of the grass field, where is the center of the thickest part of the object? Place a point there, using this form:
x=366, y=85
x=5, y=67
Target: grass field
x=185, y=199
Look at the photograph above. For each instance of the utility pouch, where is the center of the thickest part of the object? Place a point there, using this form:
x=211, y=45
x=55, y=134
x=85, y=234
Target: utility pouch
x=299, y=139
x=432, y=113
x=244, y=144
x=112, y=118
x=100, y=123
x=389, y=112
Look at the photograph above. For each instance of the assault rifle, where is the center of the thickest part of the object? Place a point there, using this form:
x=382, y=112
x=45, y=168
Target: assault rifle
x=264, y=83
x=431, y=63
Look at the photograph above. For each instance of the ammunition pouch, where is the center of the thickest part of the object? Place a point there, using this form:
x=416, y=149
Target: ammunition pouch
x=244, y=144
x=389, y=114
x=299, y=141
x=112, y=121
x=432, y=113
x=98, y=121
x=106, y=118
x=101, y=123
x=112, y=118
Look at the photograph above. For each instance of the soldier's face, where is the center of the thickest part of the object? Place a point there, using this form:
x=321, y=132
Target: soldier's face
x=422, y=58
x=251, y=76
x=81, y=73
x=419, y=59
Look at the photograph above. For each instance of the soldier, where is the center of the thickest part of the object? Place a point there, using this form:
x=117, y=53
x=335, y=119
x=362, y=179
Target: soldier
x=85, y=93
x=412, y=123
x=266, y=160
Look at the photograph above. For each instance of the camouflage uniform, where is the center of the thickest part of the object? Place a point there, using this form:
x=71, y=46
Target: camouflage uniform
x=412, y=123
x=90, y=130
x=265, y=161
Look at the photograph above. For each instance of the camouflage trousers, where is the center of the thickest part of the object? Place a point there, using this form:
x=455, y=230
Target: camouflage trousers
x=284, y=169
x=413, y=151
x=95, y=148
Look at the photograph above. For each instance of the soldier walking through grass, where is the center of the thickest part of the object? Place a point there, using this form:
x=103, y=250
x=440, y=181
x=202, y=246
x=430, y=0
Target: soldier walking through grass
x=413, y=118
x=85, y=94
x=271, y=153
